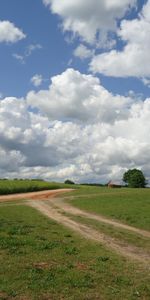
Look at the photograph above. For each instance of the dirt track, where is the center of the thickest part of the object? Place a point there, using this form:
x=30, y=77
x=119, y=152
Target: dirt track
x=47, y=203
x=126, y=250
x=33, y=195
x=59, y=202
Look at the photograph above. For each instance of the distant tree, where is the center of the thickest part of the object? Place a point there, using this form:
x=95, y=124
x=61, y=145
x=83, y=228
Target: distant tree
x=134, y=178
x=68, y=181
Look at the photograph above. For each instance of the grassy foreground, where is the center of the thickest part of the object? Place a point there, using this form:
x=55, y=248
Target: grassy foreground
x=23, y=186
x=42, y=260
x=131, y=206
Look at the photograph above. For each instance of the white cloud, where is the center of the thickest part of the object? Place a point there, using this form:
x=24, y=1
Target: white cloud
x=88, y=19
x=37, y=80
x=133, y=59
x=96, y=22
x=83, y=52
x=79, y=97
x=10, y=160
x=146, y=81
x=9, y=33
x=104, y=136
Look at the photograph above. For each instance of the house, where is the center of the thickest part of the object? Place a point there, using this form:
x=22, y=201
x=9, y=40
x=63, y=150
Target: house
x=113, y=185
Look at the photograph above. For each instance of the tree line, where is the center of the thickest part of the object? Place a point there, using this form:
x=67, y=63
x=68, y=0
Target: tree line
x=133, y=178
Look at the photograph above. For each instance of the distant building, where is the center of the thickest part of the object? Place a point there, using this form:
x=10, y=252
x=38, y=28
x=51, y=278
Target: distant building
x=113, y=185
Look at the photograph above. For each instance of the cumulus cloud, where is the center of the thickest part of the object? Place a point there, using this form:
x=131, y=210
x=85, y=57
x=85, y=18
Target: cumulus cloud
x=103, y=24
x=133, y=59
x=9, y=33
x=79, y=97
x=56, y=143
x=37, y=80
x=89, y=19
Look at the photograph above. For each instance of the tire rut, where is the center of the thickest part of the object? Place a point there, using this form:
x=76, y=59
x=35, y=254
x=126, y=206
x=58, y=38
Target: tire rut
x=59, y=202
x=125, y=250
x=47, y=203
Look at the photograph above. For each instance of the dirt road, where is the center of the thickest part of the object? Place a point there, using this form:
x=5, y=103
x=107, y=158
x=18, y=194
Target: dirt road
x=53, y=207
x=59, y=202
x=33, y=195
x=126, y=250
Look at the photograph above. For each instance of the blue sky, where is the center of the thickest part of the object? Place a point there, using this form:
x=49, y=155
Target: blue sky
x=41, y=28
x=87, y=60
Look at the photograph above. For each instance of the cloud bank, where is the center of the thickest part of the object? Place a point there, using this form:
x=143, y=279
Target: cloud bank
x=81, y=131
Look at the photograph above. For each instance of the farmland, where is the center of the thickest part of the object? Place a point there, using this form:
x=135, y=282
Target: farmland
x=88, y=260
x=24, y=186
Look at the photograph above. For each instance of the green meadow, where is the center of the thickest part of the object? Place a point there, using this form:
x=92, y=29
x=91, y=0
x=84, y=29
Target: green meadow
x=131, y=206
x=43, y=260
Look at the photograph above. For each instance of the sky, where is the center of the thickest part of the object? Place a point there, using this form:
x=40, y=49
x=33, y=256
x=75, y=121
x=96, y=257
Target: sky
x=74, y=89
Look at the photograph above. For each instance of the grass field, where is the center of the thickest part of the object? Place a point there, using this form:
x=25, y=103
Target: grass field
x=23, y=186
x=131, y=206
x=42, y=260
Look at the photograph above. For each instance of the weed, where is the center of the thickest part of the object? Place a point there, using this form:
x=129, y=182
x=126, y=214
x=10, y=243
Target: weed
x=71, y=250
x=103, y=258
